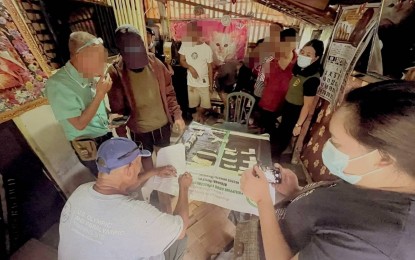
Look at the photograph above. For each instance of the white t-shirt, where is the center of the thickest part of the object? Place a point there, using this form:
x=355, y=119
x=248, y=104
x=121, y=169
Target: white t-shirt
x=198, y=56
x=96, y=226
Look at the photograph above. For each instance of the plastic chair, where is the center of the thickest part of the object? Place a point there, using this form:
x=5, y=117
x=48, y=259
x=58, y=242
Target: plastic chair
x=238, y=109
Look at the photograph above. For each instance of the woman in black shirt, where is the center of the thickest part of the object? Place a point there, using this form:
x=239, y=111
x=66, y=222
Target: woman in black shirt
x=370, y=214
x=300, y=95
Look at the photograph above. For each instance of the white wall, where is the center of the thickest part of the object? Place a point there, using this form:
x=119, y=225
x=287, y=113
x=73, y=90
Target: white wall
x=307, y=30
x=47, y=139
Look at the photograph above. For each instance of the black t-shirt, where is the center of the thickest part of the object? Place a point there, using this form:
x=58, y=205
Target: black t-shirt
x=348, y=222
x=310, y=86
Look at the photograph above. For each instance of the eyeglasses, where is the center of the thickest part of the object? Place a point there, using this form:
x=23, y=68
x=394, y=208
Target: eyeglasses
x=139, y=147
x=95, y=41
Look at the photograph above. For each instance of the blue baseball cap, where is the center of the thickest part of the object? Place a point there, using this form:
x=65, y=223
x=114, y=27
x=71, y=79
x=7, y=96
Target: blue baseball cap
x=117, y=152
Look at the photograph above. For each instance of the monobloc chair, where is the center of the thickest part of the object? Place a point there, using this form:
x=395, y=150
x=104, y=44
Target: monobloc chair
x=238, y=109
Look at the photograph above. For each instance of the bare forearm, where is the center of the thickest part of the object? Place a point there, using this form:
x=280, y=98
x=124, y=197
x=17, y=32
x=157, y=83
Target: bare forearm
x=274, y=243
x=182, y=207
x=303, y=114
x=210, y=71
x=83, y=120
x=184, y=63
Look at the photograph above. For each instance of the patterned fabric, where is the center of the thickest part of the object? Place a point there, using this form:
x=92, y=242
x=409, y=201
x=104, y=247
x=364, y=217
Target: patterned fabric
x=259, y=84
x=319, y=133
x=307, y=190
x=22, y=80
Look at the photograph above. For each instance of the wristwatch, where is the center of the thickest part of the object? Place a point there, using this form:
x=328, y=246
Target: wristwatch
x=298, y=125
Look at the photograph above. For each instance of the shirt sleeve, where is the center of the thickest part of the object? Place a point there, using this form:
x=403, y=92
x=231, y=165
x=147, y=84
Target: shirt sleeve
x=182, y=50
x=297, y=226
x=64, y=102
x=310, y=86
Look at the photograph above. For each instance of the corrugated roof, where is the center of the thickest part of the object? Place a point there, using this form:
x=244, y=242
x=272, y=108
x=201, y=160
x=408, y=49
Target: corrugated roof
x=185, y=9
x=301, y=11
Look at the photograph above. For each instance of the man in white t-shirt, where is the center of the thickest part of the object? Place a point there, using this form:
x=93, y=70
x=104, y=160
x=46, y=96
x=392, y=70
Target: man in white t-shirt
x=100, y=220
x=196, y=56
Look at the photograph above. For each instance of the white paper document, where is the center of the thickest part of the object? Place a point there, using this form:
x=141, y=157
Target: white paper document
x=216, y=184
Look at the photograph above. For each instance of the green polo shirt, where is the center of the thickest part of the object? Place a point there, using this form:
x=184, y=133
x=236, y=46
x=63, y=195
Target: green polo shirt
x=69, y=94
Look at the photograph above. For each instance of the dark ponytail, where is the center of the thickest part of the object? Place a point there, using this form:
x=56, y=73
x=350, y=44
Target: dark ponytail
x=384, y=119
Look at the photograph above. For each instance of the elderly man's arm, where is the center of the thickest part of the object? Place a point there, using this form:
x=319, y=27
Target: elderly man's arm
x=182, y=206
x=164, y=172
x=82, y=121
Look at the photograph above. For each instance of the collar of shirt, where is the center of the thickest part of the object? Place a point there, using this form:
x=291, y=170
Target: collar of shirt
x=76, y=76
x=268, y=59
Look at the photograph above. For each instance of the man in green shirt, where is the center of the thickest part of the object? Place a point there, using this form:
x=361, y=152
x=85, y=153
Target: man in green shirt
x=76, y=93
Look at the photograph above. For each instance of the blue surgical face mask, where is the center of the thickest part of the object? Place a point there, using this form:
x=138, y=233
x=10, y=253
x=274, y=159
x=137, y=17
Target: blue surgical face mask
x=336, y=162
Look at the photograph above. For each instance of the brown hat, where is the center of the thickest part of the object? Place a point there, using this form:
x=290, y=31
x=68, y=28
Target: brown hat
x=131, y=47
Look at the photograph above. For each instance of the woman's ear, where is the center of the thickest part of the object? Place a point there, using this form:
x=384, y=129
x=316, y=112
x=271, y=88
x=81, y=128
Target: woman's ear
x=315, y=59
x=386, y=159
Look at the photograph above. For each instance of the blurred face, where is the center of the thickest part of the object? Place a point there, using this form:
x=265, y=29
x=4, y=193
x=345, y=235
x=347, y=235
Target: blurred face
x=289, y=44
x=150, y=40
x=91, y=61
x=274, y=30
x=365, y=159
x=269, y=47
x=193, y=34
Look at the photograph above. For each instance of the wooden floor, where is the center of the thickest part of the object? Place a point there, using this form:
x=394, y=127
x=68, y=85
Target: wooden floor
x=209, y=232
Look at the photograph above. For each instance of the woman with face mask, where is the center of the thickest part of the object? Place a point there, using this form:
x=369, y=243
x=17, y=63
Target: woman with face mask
x=370, y=212
x=299, y=98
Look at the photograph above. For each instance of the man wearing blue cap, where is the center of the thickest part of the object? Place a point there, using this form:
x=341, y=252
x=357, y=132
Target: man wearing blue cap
x=100, y=220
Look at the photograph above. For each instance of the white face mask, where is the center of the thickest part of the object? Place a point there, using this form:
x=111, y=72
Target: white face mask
x=336, y=161
x=303, y=61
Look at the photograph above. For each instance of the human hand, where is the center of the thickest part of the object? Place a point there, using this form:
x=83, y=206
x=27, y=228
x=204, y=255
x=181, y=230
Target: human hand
x=166, y=171
x=103, y=86
x=296, y=130
x=289, y=181
x=185, y=181
x=193, y=72
x=179, y=125
x=170, y=69
x=254, y=185
x=410, y=75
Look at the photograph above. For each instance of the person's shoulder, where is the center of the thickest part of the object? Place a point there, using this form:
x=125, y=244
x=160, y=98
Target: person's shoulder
x=206, y=47
x=152, y=58
x=319, y=197
x=184, y=48
x=58, y=78
x=313, y=80
x=81, y=191
x=58, y=84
